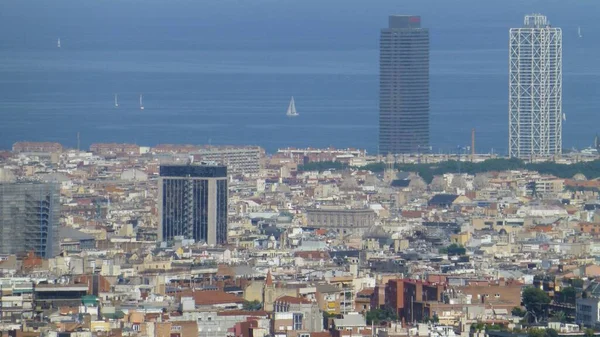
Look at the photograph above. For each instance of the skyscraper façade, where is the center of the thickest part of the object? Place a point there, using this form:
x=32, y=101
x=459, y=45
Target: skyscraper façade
x=29, y=218
x=404, y=86
x=193, y=203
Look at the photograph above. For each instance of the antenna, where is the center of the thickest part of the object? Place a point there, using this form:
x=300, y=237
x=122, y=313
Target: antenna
x=78, y=141
x=472, y=144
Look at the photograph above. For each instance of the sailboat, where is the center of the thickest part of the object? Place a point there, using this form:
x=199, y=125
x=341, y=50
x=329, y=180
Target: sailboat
x=291, y=111
x=116, y=100
x=579, y=32
x=58, y=43
x=141, y=103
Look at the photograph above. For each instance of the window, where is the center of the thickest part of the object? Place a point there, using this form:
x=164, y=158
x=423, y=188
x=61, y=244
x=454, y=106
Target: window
x=297, y=322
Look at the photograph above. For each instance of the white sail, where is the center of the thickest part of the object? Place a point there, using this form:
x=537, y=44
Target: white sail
x=58, y=43
x=141, y=103
x=116, y=100
x=291, y=111
x=579, y=32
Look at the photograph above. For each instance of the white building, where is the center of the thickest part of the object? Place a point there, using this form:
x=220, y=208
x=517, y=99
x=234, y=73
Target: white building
x=587, y=311
x=535, y=89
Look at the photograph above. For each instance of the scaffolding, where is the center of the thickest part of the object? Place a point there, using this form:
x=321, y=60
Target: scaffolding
x=29, y=218
x=535, y=89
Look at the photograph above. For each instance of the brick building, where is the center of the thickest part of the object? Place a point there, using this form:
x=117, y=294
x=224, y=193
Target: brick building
x=45, y=147
x=408, y=298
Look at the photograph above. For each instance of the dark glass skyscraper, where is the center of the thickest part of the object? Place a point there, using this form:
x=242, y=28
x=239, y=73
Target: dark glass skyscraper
x=193, y=203
x=404, y=86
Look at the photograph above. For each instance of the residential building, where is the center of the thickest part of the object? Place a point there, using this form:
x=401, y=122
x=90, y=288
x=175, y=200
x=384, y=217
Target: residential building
x=106, y=149
x=238, y=159
x=408, y=297
x=535, y=89
x=404, y=86
x=306, y=315
x=44, y=147
x=588, y=311
x=16, y=299
x=193, y=203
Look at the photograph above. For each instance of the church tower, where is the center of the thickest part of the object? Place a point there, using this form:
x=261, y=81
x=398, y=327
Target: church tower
x=268, y=293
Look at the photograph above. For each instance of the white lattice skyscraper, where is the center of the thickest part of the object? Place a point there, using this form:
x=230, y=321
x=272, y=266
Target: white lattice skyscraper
x=535, y=89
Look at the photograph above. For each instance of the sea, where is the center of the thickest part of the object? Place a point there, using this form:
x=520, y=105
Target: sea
x=223, y=71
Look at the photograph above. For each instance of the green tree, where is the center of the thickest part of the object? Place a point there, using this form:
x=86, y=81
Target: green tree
x=589, y=333
x=577, y=283
x=550, y=333
x=477, y=327
x=519, y=312
x=453, y=249
x=567, y=295
x=535, y=301
x=376, y=316
x=252, y=305
x=536, y=333
x=559, y=316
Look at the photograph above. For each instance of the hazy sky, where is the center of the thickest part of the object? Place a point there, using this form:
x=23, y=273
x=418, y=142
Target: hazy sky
x=286, y=24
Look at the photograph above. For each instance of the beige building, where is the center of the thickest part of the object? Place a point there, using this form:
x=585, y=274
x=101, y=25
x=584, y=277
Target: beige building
x=343, y=220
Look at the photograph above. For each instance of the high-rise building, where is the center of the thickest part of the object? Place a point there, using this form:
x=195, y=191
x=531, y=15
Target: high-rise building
x=193, y=203
x=404, y=86
x=535, y=89
x=29, y=218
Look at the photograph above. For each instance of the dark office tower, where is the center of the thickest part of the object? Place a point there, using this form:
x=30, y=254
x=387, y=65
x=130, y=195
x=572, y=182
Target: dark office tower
x=193, y=203
x=404, y=86
x=29, y=218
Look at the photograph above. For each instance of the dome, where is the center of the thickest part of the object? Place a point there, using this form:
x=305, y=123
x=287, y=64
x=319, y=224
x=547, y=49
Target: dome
x=579, y=177
x=376, y=232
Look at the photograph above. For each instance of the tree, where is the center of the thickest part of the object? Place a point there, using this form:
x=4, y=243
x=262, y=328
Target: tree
x=536, y=333
x=453, y=249
x=252, y=305
x=577, y=283
x=559, y=316
x=417, y=184
x=567, y=295
x=519, y=312
x=480, y=181
x=456, y=249
x=376, y=316
x=438, y=184
x=535, y=301
x=458, y=182
x=589, y=333
x=477, y=327
x=550, y=333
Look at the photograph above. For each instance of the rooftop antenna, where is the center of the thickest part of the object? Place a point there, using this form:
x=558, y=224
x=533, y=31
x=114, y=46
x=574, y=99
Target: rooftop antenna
x=78, y=142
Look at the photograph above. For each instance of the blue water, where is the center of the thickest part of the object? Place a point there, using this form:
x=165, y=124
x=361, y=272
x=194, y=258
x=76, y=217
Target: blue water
x=223, y=71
